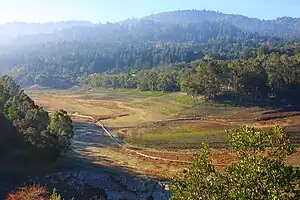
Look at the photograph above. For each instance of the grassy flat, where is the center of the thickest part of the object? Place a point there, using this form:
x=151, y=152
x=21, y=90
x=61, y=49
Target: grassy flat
x=140, y=111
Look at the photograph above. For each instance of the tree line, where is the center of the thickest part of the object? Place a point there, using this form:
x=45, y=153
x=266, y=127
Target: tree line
x=273, y=75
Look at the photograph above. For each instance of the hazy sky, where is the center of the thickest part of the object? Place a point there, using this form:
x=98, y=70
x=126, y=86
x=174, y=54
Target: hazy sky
x=116, y=10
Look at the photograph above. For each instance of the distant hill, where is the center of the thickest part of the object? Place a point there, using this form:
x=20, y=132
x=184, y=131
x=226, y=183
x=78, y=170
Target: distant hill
x=284, y=26
x=185, y=16
x=15, y=29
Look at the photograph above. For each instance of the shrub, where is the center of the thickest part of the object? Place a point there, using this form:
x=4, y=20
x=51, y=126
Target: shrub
x=35, y=192
x=254, y=176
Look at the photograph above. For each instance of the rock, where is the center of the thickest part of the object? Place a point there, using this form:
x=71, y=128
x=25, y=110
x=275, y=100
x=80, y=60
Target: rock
x=115, y=187
x=161, y=196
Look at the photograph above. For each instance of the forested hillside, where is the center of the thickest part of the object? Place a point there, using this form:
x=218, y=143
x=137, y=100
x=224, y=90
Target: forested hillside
x=64, y=57
x=284, y=26
x=16, y=29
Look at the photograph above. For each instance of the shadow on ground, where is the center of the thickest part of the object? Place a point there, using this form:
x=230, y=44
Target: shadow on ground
x=248, y=101
x=75, y=175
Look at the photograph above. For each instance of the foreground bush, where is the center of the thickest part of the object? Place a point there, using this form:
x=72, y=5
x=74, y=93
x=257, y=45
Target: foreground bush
x=36, y=192
x=259, y=173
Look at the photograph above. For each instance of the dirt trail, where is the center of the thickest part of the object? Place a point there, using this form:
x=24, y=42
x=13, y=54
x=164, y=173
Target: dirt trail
x=98, y=123
x=136, y=152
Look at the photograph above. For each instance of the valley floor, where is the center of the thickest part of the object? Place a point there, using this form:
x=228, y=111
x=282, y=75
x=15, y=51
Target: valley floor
x=170, y=126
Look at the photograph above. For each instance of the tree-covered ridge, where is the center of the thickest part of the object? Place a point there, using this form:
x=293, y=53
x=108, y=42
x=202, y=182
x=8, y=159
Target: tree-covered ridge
x=28, y=132
x=16, y=29
x=283, y=26
x=273, y=75
x=69, y=54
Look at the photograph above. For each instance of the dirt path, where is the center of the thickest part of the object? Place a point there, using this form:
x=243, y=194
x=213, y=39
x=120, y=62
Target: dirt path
x=125, y=149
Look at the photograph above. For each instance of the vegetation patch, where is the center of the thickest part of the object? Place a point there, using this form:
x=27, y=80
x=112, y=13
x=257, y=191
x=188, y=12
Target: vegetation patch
x=192, y=139
x=186, y=100
x=142, y=93
x=258, y=173
x=132, y=92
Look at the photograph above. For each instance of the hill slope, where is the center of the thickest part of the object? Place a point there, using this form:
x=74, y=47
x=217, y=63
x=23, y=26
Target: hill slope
x=16, y=29
x=284, y=26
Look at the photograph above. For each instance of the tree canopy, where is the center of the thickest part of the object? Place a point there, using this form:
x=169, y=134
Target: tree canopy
x=28, y=128
x=261, y=78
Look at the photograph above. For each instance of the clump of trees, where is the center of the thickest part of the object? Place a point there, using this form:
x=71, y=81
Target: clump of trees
x=274, y=75
x=259, y=172
x=165, y=79
x=28, y=132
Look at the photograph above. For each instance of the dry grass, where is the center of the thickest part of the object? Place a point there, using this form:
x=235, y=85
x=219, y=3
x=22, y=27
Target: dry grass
x=107, y=104
x=74, y=104
x=28, y=193
x=117, y=157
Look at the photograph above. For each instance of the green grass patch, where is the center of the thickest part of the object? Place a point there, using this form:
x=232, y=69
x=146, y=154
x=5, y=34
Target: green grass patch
x=180, y=140
x=186, y=100
x=205, y=109
x=142, y=93
x=133, y=92
x=169, y=136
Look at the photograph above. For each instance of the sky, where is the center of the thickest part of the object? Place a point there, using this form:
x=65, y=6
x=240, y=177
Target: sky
x=117, y=10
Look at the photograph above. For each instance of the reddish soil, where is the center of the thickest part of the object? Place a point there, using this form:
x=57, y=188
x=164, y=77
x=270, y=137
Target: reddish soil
x=294, y=159
x=170, y=155
x=220, y=158
x=80, y=120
